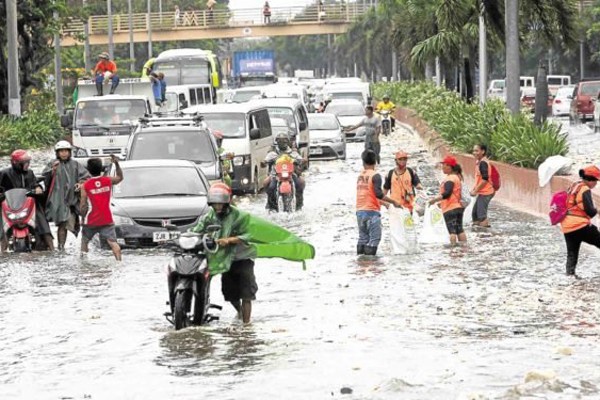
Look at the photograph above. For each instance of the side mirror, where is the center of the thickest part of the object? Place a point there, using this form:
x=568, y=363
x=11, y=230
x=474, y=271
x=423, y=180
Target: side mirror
x=303, y=125
x=254, y=134
x=570, y=97
x=213, y=228
x=184, y=104
x=66, y=120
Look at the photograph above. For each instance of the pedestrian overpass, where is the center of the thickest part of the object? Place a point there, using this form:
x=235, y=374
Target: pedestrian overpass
x=218, y=24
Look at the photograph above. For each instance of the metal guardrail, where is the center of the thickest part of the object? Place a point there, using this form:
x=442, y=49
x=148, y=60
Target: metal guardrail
x=205, y=19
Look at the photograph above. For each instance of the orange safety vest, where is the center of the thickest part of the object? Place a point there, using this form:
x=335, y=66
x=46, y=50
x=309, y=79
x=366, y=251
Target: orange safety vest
x=106, y=65
x=487, y=189
x=402, y=189
x=365, y=193
x=576, y=217
x=452, y=202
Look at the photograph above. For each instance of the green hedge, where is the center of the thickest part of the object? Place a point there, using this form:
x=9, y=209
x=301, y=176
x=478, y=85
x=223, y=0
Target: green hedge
x=38, y=127
x=514, y=140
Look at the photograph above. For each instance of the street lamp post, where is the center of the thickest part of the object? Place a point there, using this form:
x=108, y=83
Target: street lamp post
x=149, y=29
x=131, y=44
x=513, y=67
x=58, y=71
x=87, y=56
x=482, y=55
x=14, y=97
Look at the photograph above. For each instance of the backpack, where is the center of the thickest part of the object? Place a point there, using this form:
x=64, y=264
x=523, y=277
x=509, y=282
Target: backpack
x=412, y=178
x=494, y=177
x=559, y=206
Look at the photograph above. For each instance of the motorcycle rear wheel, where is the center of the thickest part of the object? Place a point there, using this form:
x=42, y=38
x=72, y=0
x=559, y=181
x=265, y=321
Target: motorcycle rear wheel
x=180, y=311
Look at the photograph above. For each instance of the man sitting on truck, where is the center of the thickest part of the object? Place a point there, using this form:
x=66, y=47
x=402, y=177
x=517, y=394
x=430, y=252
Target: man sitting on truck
x=105, y=69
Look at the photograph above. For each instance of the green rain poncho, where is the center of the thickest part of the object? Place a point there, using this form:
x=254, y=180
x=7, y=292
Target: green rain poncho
x=264, y=239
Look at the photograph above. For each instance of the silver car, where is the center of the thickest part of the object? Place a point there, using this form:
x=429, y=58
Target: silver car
x=349, y=113
x=327, y=141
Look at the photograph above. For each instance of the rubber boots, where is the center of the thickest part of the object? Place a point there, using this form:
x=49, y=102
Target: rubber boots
x=360, y=249
x=99, y=88
x=370, y=250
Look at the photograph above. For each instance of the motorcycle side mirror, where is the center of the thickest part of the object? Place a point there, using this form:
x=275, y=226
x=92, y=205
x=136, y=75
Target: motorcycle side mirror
x=213, y=228
x=170, y=227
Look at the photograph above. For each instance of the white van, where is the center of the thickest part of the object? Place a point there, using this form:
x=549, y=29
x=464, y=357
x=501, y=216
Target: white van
x=288, y=91
x=246, y=130
x=526, y=82
x=556, y=81
x=296, y=115
x=354, y=91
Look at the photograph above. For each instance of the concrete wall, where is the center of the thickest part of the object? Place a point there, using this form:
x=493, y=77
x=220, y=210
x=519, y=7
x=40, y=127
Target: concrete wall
x=520, y=188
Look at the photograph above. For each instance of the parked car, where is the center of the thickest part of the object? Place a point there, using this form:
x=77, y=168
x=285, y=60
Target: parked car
x=584, y=96
x=555, y=82
x=327, y=141
x=157, y=193
x=562, y=101
x=497, y=89
x=349, y=113
x=528, y=98
x=244, y=95
x=176, y=139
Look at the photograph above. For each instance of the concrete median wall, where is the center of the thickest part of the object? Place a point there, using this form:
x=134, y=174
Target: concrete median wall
x=520, y=188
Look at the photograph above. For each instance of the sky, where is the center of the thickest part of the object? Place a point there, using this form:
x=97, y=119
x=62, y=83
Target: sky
x=233, y=4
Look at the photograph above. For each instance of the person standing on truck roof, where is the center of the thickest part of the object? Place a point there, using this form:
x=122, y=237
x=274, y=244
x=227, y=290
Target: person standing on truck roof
x=148, y=67
x=156, y=89
x=163, y=87
x=104, y=70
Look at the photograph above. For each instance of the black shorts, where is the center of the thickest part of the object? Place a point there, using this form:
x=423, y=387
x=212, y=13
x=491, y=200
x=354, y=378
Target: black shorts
x=239, y=283
x=454, y=221
x=106, y=232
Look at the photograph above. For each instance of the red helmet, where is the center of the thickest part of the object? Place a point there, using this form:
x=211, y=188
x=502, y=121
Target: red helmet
x=219, y=193
x=20, y=157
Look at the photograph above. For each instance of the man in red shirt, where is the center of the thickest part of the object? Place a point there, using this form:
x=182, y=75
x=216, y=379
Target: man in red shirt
x=95, y=206
x=105, y=69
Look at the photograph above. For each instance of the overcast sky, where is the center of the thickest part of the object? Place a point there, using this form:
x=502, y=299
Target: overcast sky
x=233, y=4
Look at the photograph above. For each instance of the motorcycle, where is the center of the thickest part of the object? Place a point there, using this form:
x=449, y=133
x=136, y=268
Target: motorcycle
x=286, y=189
x=18, y=220
x=189, y=279
x=386, y=122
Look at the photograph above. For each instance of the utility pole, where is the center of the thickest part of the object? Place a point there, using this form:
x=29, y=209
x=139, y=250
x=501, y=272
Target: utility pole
x=394, y=65
x=149, y=29
x=482, y=55
x=581, y=47
x=14, y=97
x=58, y=71
x=438, y=72
x=513, y=67
x=87, y=54
x=111, y=44
x=131, y=44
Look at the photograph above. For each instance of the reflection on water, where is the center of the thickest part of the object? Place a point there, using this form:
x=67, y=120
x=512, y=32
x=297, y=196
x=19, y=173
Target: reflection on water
x=495, y=319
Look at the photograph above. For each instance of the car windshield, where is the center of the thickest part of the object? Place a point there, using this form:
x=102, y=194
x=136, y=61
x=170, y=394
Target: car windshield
x=564, y=92
x=555, y=81
x=322, y=122
x=231, y=125
x=108, y=113
x=160, y=181
x=244, y=96
x=282, y=113
x=184, y=72
x=590, y=88
x=346, y=110
x=498, y=85
x=175, y=145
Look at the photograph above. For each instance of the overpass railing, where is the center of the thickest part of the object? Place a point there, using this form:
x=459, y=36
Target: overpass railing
x=205, y=19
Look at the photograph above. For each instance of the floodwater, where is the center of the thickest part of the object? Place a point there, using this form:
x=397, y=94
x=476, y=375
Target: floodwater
x=494, y=320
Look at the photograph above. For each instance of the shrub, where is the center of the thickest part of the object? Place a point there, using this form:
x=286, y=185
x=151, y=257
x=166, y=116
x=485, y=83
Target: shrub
x=38, y=127
x=511, y=139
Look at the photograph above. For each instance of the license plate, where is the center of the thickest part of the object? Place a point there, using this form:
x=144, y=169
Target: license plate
x=163, y=236
x=316, y=150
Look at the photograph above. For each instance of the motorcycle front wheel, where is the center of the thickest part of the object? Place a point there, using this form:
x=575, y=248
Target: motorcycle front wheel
x=182, y=300
x=21, y=246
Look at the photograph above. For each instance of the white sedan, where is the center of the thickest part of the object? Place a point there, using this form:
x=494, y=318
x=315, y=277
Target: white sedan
x=562, y=101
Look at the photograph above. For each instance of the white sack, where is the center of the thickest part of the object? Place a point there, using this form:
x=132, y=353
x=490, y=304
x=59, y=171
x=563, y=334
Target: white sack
x=434, y=227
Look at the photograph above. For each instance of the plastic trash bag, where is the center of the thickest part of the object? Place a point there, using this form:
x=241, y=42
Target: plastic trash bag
x=553, y=165
x=434, y=227
x=468, y=214
x=420, y=202
x=403, y=231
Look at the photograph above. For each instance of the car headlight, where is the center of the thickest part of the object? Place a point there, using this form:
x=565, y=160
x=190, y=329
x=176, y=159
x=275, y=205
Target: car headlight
x=122, y=220
x=188, y=242
x=238, y=161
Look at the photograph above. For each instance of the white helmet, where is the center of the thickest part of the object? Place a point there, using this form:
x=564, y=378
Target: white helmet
x=63, y=145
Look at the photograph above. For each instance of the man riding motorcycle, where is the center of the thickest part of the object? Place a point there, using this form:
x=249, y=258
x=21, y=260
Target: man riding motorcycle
x=387, y=105
x=19, y=176
x=283, y=147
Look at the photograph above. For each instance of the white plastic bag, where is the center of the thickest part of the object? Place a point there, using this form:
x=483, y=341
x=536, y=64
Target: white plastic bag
x=434, y=227
x=468, y=214
x=403, y=231
x=551, y=166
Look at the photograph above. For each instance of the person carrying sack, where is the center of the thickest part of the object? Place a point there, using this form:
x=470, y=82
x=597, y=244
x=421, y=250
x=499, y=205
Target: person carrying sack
x=577, y=224
x=401, y=182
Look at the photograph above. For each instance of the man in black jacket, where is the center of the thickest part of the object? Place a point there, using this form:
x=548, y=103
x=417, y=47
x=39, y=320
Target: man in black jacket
x=19, y=176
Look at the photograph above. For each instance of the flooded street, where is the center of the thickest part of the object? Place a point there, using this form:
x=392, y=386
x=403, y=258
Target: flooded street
x=495, y=320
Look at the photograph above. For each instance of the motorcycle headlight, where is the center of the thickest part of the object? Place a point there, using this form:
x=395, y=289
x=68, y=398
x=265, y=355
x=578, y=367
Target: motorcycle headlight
x=122, y=220
x=23, y=213
x=188, y=242
x=12, y=216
